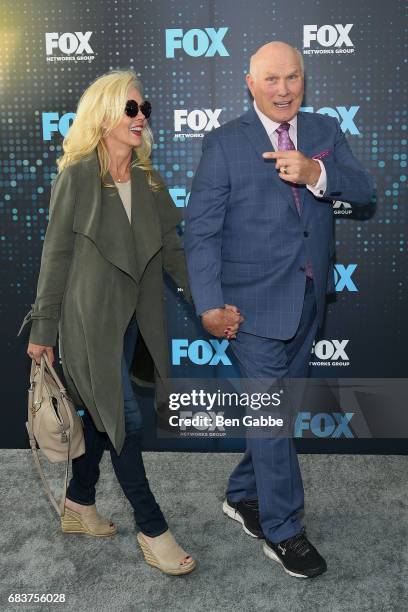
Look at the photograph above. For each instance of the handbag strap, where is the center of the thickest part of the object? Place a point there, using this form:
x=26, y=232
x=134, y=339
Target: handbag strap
x=46, y=361
x=60, y=508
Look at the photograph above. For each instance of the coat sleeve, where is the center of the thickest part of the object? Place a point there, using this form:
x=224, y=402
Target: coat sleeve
x=346, y=177
x=174, y=261
x=55, y=261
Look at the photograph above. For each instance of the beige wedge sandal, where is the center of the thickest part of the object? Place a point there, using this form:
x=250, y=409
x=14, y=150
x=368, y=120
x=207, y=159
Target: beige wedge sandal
x=164, y=553
x=89, y=521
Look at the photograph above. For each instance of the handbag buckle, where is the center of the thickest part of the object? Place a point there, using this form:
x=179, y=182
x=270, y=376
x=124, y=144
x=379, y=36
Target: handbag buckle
x=35, y=407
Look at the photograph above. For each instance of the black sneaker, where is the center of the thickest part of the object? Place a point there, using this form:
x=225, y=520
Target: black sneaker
x=297, y=556
x=245, y=512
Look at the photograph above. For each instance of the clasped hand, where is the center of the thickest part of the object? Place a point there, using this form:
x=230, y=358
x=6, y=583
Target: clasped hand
x=222, y=322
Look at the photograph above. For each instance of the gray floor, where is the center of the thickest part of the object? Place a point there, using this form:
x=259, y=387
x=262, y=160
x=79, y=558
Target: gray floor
x=356, y=513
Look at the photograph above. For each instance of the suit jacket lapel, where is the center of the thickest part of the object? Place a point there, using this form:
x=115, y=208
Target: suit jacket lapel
x=304, y=145
x=256, y=133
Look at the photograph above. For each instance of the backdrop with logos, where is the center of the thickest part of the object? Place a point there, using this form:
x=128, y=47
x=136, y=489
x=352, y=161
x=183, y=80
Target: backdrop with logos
x=192, y=58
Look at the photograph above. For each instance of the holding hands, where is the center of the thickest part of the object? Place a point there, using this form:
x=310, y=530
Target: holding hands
x=222, y=322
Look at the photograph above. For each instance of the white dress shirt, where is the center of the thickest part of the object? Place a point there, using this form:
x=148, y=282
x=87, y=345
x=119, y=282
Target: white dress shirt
x=271, y=126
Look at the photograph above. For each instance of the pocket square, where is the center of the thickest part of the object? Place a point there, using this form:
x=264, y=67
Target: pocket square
x=322, y=154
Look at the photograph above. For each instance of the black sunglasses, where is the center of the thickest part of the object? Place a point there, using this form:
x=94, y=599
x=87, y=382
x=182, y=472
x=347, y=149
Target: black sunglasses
x=132, y=108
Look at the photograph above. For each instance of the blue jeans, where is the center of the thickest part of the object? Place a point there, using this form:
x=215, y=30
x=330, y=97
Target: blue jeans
x=128, y=465
x=133, y=415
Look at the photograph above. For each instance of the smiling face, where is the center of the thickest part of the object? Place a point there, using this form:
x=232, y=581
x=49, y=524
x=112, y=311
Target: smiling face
x=276, y=81
x=128, y=131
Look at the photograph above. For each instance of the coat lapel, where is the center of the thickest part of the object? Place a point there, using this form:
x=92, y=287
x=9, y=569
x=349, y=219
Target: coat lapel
x=256, y=133
x=100, y=215
x=145, y=220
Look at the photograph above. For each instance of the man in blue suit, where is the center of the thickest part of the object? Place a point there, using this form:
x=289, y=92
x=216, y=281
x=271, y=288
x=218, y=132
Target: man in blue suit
x=259, y=242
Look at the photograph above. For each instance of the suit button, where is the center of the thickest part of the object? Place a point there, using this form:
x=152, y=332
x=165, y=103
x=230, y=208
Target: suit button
x=306, y=234
x=302, y=268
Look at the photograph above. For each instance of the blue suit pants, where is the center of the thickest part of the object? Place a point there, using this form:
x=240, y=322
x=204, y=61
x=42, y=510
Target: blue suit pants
x=269, y=470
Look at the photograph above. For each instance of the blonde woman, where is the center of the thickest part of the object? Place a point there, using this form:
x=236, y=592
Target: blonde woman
x=112, y=232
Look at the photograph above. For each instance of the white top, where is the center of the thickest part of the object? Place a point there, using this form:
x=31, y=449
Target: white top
x=271, y=126
x=125, y=195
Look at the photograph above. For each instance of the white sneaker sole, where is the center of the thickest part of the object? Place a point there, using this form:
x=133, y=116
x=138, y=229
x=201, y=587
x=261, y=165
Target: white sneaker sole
x=272, y=555
x=235, y=515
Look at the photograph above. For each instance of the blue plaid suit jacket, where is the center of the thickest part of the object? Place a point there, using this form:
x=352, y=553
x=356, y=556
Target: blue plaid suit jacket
x=245, y=242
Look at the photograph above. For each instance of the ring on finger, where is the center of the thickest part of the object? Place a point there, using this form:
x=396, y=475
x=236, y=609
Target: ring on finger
x=283, y=170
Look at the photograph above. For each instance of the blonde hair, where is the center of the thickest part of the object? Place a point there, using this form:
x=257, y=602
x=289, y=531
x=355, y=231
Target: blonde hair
x=103, y=102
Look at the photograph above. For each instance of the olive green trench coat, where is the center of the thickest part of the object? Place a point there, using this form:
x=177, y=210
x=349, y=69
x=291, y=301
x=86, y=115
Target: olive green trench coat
x=97, y=269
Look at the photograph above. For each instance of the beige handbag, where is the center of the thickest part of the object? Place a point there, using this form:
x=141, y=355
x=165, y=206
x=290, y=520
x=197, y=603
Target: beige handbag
x=53, y=423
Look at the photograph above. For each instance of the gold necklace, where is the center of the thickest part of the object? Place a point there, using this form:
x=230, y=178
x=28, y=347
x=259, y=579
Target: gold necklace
x=120, y=180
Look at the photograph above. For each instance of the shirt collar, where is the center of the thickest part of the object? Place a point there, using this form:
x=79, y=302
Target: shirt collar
x=269, y=125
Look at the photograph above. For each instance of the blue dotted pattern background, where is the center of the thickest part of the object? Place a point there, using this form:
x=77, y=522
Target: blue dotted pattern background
x=132, y=34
